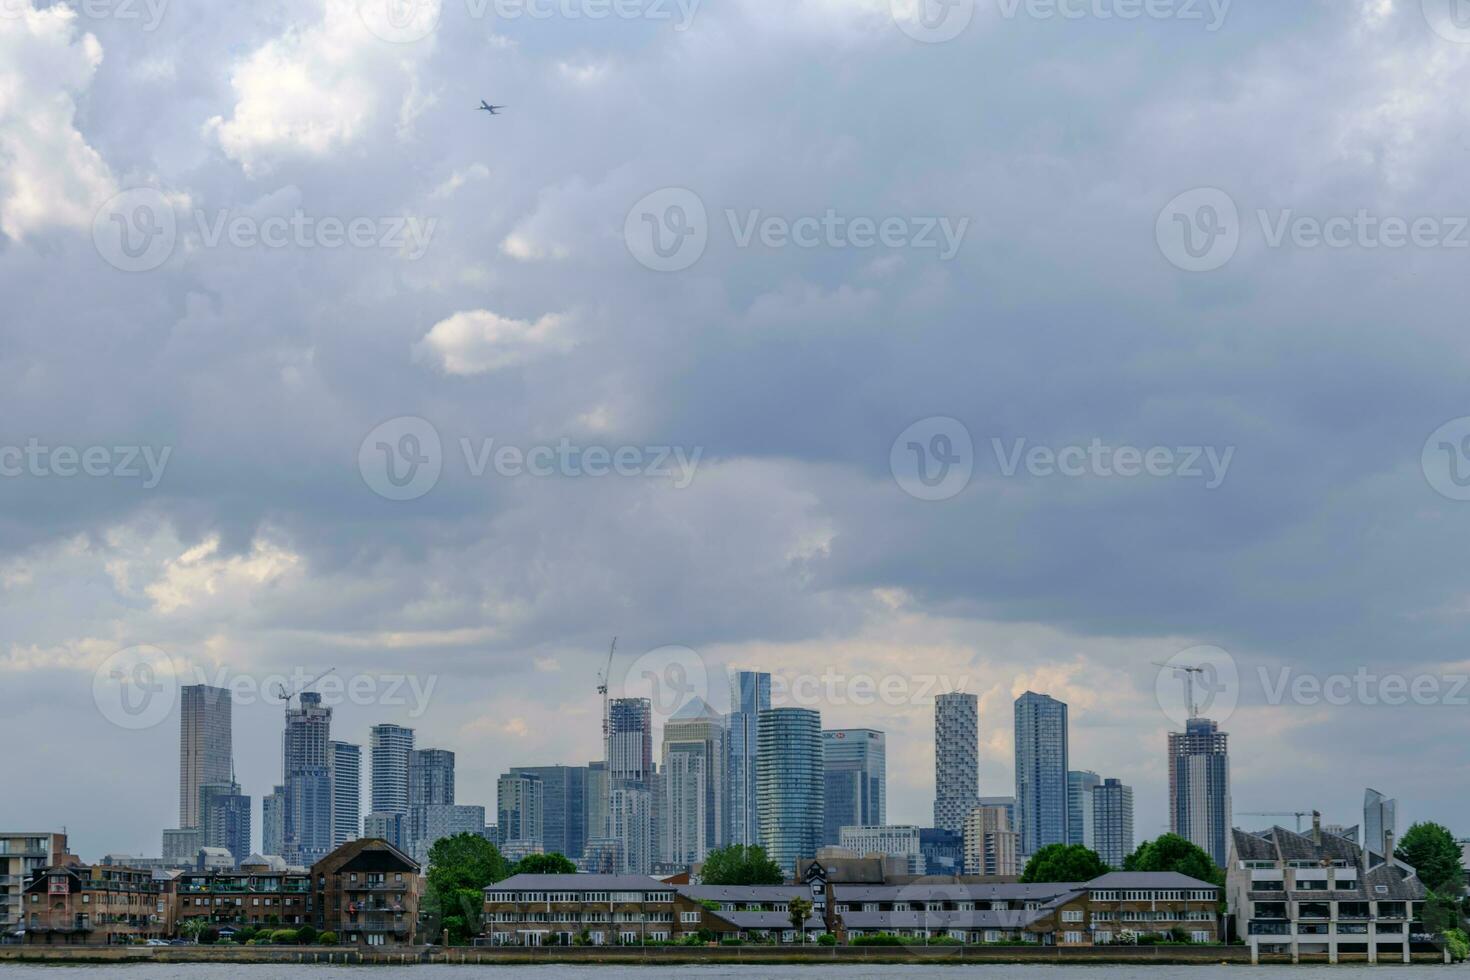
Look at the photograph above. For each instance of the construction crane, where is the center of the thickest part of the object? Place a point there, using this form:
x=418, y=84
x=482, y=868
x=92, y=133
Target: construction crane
x=1189, y=674
x=602, y=680
x=284, y=695
x=1280, y=813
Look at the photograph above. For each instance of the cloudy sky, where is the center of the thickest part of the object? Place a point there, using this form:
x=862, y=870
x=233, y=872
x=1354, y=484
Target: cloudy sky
x=903, y=347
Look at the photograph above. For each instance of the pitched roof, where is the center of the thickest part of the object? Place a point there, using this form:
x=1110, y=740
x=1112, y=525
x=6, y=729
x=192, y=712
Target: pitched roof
x=1147, y=879
x=577, y=883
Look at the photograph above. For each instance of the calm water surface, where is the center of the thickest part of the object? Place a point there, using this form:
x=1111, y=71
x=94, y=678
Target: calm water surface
x=561, y=972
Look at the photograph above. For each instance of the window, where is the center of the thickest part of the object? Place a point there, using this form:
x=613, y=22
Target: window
x=1200, y=937
x=1071, y=915
x=689, y=917
x=1072, y=937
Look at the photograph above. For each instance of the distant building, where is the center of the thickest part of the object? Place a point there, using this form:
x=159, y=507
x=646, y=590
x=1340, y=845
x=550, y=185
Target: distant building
x=308, y=779
x=791, y=784
x=632, y=823
x=1080, y=785
x=1112, y=822
x=956, y=758
x=515, y=850
x=430, y=785
x=1199, y=787
x=990, y=844
x=389, y=748
x=437, y=821
x=520, y=802
x=345, y=761
x=390, y=827
x=1041, y=771
x=224, y=819
x=564, y=813
x=693, y=820
x=750, y=694
x=206, y=742
x=273, y=822
x=899, y=840
x=943, y=850
x=855, y=775
x=595, y=824
x=630, y=741
x=181, y=846
x=1380, y=820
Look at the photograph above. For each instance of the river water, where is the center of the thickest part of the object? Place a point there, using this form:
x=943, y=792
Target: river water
x=752, y=972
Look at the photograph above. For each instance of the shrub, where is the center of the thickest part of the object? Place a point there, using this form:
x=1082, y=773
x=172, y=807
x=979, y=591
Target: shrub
x=1458, y=943
x=284, y=937
x=306, y=935
x=209, y=936
x=732, y=942
x=328, y=938
x=826, y=939
x=877, y=939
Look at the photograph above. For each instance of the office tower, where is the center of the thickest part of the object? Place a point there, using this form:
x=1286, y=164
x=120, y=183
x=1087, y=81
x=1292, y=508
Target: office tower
x=273, y=822
x=1380, y=817
x=990, y=843
x=181, y=846
x=1041, y=771
x=630, y=740
x=750, y=694
x=390, y=748
x=430, y=777
x=956, y=758
x=790, y=784
x=205, y=745
x=386, y=826
x=308, y=777
x=855, y=778
x=1008, y=803
x=1199, y=786
x=563, y=807
x=597, y=796
x=630, y=817
x=943, y=850
x=435, y=821
x=1079, y=805
x=900, y=841
x=519, y=807
x=692, y=792
x=345, y=760
x=224, y=819
x=1112, y=822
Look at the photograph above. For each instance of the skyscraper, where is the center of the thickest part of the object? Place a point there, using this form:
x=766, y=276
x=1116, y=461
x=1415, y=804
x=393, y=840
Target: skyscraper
x=855, y=779
x=630, y=741
x=273, y=822
x=224, y=819
x=790, y=784
x=564, y=807
x=345, y=761
x=1041, y=771
x=750, y=694
x=205, y=745
x=595, y=827
x=956, y=759
x=430, y=777
x=1079, y=806
x=693, y=821
x=1199, y=786
x=307, y=834
x=1112, y=822
x=990, y=843
x=1380, y=817
x=390, y=746
x=519, y=802
x=633, y=829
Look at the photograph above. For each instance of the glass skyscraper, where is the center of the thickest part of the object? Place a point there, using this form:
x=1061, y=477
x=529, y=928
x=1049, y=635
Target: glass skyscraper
x=1079, y=806
x=205, y=745
x=956, y=759
x=1199, y=786
x=855, y=781
x=563, y=807
x=345, y=760
x=391, y=746
x=1112, y=822
x=1041, y=771
x=750, y=694
x=790, y=784
x=308, y=777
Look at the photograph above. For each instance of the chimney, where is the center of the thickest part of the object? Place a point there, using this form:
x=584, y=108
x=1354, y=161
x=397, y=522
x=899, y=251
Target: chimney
x=1317, y=827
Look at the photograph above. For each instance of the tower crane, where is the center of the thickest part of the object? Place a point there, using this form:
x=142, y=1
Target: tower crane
x=1298, y=814
x=602, y=680
x=1189, y=673
x=284, y=695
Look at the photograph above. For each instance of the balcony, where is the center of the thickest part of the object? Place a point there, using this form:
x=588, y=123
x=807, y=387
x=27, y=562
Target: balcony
x=1270, y=928
x=375, y=886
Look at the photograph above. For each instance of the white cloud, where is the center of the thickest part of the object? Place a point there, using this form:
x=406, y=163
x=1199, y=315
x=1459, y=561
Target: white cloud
x=478, y=341
x=49, y=175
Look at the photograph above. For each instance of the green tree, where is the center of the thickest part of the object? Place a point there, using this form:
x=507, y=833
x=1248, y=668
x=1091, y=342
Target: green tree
x=799, y=909
x=1063, y=862
x=1173, y=853
x=739, y=864
x=1431, y=850
x=192, y=928
x=544, y=864
x=459, y=869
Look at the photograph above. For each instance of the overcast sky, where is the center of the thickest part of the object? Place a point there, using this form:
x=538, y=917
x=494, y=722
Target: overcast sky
x=974, y=347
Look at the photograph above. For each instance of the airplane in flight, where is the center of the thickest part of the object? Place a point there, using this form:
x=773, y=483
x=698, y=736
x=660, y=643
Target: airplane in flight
x=487, y=107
